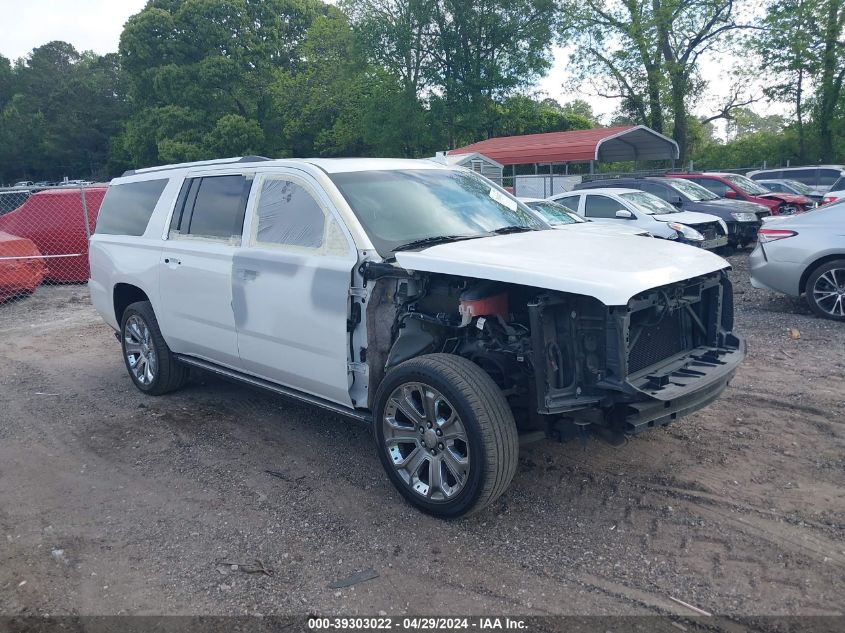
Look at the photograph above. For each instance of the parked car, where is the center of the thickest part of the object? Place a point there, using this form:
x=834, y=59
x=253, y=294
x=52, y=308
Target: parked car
x=805, y=255
x=23, y=183
x=791, y=186
x=836, y=193
x=648, y=213
x=739, y=187
x=53, y=219
x=819, y=178
x=21, y=266
x=741, y=218
x=560, y=217
x=416, y=297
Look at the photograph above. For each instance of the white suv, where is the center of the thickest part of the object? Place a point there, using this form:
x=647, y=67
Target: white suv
x=419, y=298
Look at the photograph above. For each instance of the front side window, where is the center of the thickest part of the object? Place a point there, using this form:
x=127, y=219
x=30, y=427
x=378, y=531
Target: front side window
x=746, y=184
x=211, y=207
x=556, y=214
x=794, y=187
x=287, y=214
x=398, y=208
x=647, y=203
x=601, y=207
x=656, y=190
x=692, y=190
x=127, y=208
x=570, y=202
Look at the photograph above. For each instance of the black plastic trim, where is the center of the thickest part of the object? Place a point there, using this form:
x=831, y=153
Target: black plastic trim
x=232, y=374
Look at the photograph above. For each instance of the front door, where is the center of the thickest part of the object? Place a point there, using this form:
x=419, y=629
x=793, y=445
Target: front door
x=290, y=287
x=195, y=270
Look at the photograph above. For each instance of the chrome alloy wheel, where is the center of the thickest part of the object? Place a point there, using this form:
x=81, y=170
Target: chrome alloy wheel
x=426, y=441
x=139, y=349
x=829, y=292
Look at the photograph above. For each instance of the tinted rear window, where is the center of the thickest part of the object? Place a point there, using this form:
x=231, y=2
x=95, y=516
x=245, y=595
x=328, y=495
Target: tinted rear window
x=212, y=206
x=768, y=175
x=127, y=208
x=806, y=176
x=828, y=176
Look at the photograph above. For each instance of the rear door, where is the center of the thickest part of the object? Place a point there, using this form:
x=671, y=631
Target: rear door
x=195, y=270
x=291, y=287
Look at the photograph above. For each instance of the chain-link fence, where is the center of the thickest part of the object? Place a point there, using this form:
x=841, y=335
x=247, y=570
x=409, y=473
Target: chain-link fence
x=44, y=235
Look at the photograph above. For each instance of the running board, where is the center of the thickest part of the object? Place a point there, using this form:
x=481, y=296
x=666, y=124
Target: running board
x=237, y=376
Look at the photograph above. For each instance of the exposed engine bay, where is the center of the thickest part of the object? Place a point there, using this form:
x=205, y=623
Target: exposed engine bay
x=563, y=361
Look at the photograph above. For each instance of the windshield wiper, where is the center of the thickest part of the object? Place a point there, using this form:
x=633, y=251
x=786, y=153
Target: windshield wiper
x=511, y=229
x=431, y=241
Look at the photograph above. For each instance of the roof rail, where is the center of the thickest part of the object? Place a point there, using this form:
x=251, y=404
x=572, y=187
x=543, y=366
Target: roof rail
x=201, y=163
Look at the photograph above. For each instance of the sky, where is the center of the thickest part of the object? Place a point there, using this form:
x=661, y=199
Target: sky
x=96, y=25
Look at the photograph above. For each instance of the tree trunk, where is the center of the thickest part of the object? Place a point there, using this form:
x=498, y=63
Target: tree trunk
x=799, y=117
x=830, y=85
x=679, y=113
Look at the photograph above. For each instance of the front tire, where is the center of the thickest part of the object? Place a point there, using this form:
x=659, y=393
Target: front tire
x=445, y=435
x=825, y=290
x=152, y=367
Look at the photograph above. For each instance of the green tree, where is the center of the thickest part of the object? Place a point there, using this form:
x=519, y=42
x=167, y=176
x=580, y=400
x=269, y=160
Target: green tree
x=212, y=60
x=395, y=38
x=647, y=54
x=60, y=109
x=523, y=115
x=460, y=57
x=580, y=108
x=320, y=102
x=788, y=51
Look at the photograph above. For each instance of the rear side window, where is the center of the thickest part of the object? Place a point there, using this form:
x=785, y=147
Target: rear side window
x=828, y=176
x=769, y=175
x=839, y=184
x=716, y=186
x=807, y=176
x=127, y=208
x=211, y=207
x=601, y=207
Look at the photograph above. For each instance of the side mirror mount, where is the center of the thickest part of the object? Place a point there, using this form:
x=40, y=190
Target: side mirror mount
x=730, y=193
x=624, y=214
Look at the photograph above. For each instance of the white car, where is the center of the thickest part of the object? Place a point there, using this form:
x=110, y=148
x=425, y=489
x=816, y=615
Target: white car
x=418, y=298
x=560, y=217
x=836, y=193
x=645, y=211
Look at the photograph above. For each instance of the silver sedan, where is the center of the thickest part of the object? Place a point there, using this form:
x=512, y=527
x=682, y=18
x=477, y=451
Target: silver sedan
x=805, y=254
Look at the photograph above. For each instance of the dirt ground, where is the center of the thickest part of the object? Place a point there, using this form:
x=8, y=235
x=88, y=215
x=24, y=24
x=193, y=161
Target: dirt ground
x=116, y=503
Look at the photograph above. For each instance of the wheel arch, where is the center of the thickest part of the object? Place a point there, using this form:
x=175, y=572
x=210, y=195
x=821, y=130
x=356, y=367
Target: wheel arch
x=802, y=284
x=125, y=294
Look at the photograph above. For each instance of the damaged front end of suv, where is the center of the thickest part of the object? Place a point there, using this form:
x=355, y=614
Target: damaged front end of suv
x=564, y=361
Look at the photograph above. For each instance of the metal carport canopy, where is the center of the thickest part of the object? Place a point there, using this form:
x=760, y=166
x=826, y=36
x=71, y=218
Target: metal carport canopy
x=608, y=144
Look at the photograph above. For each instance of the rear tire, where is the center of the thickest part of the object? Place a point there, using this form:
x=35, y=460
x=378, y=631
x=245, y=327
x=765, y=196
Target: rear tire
x=152, y=367
x=825, y=290
x=445, y=435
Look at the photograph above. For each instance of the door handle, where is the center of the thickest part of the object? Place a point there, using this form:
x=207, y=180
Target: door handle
x=246, y=274
x=172, y=261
